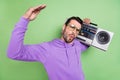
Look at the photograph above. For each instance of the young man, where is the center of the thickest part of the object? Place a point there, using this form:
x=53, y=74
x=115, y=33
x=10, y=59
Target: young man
x=60, y=57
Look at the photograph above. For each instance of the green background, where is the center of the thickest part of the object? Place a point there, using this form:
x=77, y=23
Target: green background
x=97, y=64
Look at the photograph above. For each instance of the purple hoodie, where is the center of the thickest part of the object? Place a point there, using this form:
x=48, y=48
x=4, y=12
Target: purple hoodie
x=60, y=59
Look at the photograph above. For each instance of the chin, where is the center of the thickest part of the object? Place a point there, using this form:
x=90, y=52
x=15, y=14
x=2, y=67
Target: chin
x=69, y=41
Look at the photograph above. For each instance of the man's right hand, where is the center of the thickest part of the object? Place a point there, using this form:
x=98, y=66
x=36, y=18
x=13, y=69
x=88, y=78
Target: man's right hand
x=32, y=13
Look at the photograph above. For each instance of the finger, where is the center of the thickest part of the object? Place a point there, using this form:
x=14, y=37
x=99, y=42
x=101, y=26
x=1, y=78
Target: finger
x=40, y=7
x=86, y=20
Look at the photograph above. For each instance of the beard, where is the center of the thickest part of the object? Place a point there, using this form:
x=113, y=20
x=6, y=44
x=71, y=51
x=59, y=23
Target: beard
x=68, y=37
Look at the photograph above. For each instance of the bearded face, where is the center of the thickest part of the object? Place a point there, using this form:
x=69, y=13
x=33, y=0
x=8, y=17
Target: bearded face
x=68, y=37
x=71, y=31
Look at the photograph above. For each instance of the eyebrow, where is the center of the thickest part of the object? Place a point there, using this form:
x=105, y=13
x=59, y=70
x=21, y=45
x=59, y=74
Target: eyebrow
x=74, y=26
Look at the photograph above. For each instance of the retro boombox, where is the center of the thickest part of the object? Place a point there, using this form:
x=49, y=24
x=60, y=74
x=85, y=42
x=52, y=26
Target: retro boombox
x=93, y=36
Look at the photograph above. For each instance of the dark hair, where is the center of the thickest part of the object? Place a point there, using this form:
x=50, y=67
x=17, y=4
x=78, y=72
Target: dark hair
x=74, y=18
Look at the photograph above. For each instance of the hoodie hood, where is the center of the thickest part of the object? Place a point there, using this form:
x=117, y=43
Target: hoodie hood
x=62, y=44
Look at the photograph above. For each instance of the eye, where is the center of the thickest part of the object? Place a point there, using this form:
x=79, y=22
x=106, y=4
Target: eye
x=77, y=30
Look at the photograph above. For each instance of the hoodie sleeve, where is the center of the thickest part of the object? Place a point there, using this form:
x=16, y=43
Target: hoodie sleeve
x=83, y=47
x=18, y=51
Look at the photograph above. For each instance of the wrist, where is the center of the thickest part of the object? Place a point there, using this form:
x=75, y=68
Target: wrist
x=26, y=17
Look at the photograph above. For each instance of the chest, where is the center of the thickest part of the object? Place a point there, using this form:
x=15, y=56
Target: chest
x=65, y=56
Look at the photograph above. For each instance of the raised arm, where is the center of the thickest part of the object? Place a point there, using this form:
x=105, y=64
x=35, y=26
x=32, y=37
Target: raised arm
x=16, y=49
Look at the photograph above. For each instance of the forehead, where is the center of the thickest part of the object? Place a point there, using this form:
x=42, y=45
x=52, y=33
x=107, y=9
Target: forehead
x=76, y=23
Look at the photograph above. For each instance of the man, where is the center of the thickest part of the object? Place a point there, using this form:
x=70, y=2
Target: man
x=60, y=57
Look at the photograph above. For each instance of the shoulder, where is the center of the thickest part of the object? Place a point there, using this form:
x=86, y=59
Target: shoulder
x=82, y=46
x=78, y=43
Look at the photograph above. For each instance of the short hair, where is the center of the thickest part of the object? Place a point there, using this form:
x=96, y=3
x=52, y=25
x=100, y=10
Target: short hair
x=74, y=18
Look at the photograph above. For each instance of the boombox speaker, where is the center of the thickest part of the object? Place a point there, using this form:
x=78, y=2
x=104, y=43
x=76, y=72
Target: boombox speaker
x=93, y=36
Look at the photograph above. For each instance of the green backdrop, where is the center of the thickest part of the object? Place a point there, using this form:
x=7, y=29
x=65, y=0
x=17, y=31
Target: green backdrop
x=97, y=64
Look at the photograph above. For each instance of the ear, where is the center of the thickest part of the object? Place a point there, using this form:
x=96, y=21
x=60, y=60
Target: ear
x=63, y=28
